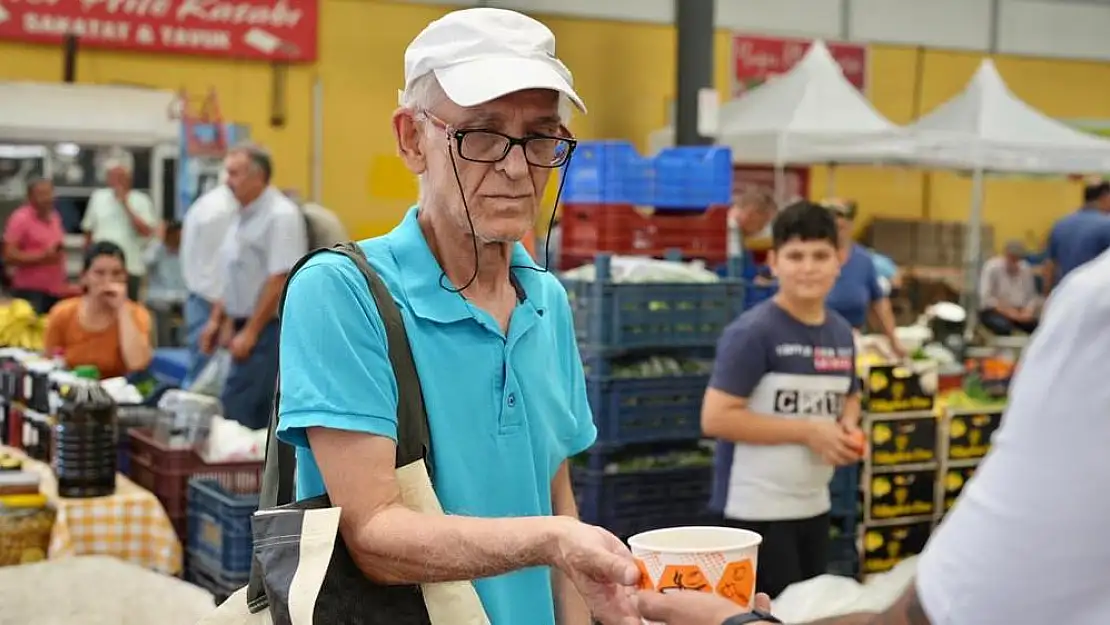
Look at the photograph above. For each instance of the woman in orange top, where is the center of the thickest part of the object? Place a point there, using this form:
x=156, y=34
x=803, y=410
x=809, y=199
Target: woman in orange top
x=102, y=328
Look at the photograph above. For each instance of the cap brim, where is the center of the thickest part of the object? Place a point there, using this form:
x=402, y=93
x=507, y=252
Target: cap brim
x=476, y=82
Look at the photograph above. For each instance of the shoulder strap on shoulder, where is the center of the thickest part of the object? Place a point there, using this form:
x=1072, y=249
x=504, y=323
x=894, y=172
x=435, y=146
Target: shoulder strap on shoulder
x=413, y=439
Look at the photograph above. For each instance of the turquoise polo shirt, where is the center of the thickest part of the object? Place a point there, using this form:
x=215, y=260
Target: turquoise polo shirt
x=505, y=410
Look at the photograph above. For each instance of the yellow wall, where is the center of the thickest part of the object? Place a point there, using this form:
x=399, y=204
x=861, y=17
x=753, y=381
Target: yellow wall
x=625, y=71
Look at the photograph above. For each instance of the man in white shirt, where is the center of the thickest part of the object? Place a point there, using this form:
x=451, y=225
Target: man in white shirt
x=124, y=216
x=1008, y=295
x=202, y=233
x=1026, y=543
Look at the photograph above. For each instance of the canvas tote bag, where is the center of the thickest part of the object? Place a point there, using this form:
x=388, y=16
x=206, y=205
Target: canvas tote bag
x=302, y=573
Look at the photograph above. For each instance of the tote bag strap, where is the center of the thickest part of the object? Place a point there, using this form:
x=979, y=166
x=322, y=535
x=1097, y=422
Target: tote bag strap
x=413, y=438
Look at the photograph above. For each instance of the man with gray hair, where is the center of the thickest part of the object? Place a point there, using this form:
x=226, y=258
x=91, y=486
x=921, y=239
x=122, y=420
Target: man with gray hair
x=119, y=214
x=1008, y=295
x=265, y=237
x=482, y=123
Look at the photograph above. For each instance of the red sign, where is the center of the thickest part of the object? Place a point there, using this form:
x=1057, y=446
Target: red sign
x=272, y=30
x=756, y=58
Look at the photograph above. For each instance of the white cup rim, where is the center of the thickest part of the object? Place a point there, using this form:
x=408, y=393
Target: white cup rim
x=744, y=539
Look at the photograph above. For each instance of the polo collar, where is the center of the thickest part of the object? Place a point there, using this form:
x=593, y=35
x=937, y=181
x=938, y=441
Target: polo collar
x=421, y=274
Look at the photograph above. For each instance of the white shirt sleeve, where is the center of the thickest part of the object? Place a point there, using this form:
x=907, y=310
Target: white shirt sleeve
x=1029, y=540
x=88, y=221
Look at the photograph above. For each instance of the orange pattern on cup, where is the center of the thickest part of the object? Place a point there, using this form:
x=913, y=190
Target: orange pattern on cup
x=645, y=577
x=738, y=583
x=683, y=577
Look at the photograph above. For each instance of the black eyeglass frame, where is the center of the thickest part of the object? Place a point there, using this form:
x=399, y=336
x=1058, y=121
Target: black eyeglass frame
x=458, y=136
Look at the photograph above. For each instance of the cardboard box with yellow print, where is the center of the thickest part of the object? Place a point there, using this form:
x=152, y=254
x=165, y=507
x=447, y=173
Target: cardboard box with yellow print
x=901, y=387
x=901, y=494
x=887, y=545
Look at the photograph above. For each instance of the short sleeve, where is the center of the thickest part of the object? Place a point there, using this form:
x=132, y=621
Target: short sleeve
x=741, y=362
x=288, y=241
x=1052, y=248
x=875, y=290
x=13, y=231
x=355, y=390
x=88, y=221
x=142, y=318
x=586, y=430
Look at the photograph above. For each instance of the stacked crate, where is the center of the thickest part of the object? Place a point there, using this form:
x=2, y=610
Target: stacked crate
x=648, y=468
x=615, y=200
x=900, y=477
x=967, y=433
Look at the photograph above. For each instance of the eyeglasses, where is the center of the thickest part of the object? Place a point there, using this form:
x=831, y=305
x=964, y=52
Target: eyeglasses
x=490, y=146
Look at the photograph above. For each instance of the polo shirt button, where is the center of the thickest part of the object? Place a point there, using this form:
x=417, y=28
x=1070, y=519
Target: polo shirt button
x=512, y=400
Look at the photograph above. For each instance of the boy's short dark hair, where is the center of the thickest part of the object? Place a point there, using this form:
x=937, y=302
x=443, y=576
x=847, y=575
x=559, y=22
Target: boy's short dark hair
x=804, y=221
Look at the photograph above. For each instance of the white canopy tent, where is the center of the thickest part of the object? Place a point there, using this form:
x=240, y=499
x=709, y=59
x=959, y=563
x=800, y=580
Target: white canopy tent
x=86, y=114
x=987, y=129
x=809, y=115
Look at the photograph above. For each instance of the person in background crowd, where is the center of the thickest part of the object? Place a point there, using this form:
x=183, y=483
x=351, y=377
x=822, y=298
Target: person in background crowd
x=1045, y=476
x=858, y=290
x=1080, y=237
x=203, y=229
x=165, y=292
x=266, y=237
x=748, y=217
x=482, y=123
x=784, y=404
x=1008, y=296
x=124, y=216
x=33, y=249
x=103, y=327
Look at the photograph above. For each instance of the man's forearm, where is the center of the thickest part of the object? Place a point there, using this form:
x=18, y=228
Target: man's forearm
x=885, y=313
x=400, y=546
x=570, y=607
x=267, y=306
x=853, y=408
x=138, y=223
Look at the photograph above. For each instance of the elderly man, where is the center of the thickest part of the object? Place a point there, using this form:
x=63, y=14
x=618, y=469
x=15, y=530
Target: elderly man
x=748, y=217
x=124, y=216
x=1046, y=477
x=1008, y=296
x=481, y=124
x=265, y=238
x=203, y=230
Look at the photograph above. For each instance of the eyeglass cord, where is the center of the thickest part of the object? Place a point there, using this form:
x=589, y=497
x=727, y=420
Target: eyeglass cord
x=443, y=282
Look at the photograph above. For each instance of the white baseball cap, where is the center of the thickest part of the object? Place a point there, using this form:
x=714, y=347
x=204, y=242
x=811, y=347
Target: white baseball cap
x=482, y=54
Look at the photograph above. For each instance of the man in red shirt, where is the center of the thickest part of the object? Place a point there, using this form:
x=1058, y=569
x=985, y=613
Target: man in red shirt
x=33, y=249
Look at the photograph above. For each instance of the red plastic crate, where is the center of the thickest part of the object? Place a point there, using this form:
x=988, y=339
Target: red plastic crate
x=622, y=229
x=166, y=471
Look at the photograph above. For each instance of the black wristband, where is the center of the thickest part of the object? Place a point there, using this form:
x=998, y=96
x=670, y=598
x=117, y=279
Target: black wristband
x=755, y=616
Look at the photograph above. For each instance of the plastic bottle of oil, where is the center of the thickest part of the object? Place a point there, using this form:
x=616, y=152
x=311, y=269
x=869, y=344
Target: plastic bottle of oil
x=84, y=441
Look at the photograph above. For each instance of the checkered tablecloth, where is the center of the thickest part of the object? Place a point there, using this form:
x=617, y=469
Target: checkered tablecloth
x=130, y=525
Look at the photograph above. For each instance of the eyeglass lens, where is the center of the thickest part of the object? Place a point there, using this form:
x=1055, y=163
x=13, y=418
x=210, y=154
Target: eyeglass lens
x=490, y=147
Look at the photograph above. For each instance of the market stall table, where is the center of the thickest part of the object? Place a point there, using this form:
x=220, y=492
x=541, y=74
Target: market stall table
x=130, y=525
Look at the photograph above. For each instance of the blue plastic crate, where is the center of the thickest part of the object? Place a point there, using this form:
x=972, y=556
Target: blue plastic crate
x=693, y=177
x=616, y=316
x=756, y=294
x=608, y=172
x=624, y=502
x=170, y=365
x=844, y=491
x=220, y=525
x=632, y=410
x=221, y=584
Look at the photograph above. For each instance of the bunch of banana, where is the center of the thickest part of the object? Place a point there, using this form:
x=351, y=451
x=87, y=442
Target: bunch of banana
x=20, y=326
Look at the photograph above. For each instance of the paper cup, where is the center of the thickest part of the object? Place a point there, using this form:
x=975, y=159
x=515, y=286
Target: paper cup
x=719, y=560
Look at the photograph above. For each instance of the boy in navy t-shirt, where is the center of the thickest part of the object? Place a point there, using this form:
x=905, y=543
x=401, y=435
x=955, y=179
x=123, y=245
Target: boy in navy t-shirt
x=784, y=404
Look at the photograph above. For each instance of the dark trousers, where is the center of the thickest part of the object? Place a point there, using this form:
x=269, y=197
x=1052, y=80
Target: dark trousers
x=248, y=395
x=41, y=301
x=1001, y=325
x=792, y=551
x=134, y=285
